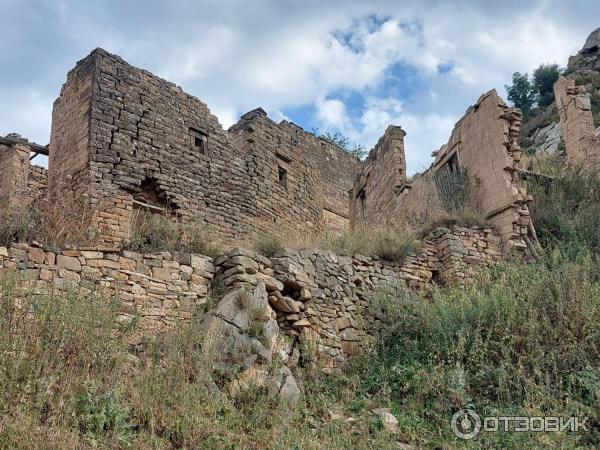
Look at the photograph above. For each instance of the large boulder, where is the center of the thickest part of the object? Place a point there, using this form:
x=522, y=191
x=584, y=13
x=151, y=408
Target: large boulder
x=588, y=57
x=242, y=337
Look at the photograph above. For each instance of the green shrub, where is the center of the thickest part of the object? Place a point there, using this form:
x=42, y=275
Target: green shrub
x=258, y=331
x=269, y=245
x=102, y=414
x=522, y=340
x=565, y=210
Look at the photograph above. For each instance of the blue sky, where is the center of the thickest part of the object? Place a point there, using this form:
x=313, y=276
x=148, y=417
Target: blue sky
x=349, y=66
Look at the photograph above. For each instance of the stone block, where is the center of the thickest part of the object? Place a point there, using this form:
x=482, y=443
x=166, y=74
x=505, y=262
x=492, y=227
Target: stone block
x=68, y=262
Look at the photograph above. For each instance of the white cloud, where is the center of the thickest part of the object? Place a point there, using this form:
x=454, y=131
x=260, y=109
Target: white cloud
x=332, y=113
x=236, y=56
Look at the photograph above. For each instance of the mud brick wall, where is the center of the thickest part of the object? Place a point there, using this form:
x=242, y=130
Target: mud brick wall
x=577, y=123
x=161, y=289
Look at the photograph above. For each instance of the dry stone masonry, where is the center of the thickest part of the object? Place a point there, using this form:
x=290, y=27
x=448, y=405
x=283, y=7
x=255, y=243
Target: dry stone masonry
x=483, y=145
x=582, y=142
x=21, y=183
x=159, y=289
x=327, y=299
x=124, y=140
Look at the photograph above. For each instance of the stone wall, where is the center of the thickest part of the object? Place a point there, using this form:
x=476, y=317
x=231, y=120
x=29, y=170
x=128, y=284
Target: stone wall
x=582, y=143
x=326, y=299
x=14, y=163
x=125, y=139
x=121, y=134
x=316, y=296
x=161, y=289
x=484, y=144
x=376, y=192
x=299, y=180
x=485, y=141
x=21, y=183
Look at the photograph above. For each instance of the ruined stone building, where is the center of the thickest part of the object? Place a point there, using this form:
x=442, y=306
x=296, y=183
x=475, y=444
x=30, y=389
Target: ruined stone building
x=125, y=141
x=483, y=146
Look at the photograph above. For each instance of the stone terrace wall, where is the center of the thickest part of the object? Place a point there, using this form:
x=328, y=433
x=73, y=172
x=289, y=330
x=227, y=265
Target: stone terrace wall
x=325, y=298
x=313, y=295
x=161, y=289
x=577, y=123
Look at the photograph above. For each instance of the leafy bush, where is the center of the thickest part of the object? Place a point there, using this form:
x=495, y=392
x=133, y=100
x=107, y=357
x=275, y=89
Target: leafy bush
x=357, y=150
x=544, y=78
x=521, y=93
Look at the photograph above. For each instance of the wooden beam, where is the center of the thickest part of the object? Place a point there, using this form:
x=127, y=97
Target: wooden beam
x=36, y=148
x=148, y=206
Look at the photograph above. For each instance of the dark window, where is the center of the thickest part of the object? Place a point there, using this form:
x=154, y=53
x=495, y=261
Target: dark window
x=199, y=140
x=282, y=176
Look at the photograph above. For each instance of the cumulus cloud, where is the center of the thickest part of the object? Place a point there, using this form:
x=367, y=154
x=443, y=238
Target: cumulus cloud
x=351, y=66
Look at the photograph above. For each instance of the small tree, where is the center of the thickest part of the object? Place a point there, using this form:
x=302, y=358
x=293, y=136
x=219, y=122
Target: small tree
x=343, y=142
x=544, y=78
x=521, y=93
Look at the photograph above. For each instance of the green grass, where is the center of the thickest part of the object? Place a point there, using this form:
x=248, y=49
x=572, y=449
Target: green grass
x=524, y=340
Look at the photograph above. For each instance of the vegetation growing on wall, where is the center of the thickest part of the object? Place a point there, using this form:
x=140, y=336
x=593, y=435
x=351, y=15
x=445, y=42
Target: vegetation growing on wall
x=344, y=142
